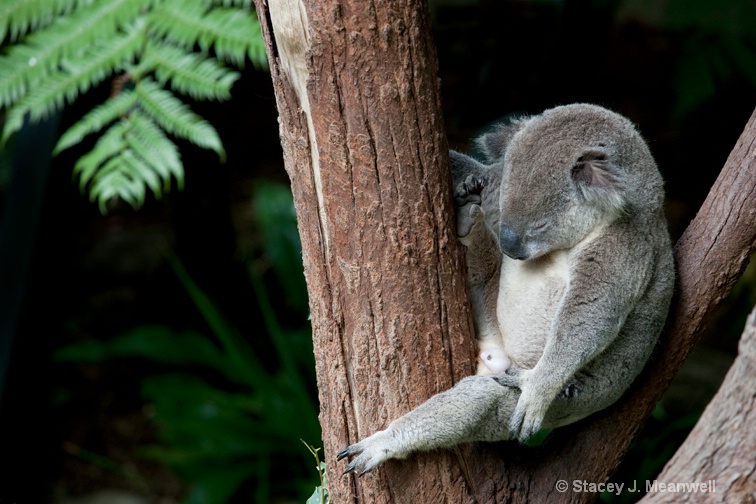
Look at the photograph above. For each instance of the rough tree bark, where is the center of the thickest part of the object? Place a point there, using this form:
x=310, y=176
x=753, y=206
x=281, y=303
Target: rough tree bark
x=364, y=146
x=722, y=446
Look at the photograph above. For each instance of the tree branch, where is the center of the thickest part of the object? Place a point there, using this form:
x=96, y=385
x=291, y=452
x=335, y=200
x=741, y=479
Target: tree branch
x=719, y=452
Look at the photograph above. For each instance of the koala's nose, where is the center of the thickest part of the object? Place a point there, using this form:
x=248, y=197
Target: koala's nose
x=510, y=243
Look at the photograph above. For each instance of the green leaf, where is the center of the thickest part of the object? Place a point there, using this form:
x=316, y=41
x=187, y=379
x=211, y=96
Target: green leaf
x=236, y=33
x=276, y=218
x=176, y=117
x=114, y=169
x=198, y=76
x=217, y=486
x=95, y=120
x=116, y=178
x=233, y=33
x=149, y=141
x=139, y=168
x=157, y=343
x=110, y=144
x=213, y=424
x=17, y=17
x=62, y=48
x=70, y=38
x=246, y=365
x=317, y=497
x=76, y=76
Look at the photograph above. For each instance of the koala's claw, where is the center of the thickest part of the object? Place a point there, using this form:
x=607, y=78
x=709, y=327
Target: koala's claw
x=528, y=415
x=357, y=465
x=473, y=184
x=346, y=452
x=371, y=452
x=530, y=411
x=522, y=425
x=512, y=377
x=469, y=191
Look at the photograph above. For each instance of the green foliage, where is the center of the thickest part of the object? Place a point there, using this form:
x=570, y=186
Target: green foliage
x=720, y=46
x=227, y=419
x=274, y=211
x=320, y=495
x=59, y=49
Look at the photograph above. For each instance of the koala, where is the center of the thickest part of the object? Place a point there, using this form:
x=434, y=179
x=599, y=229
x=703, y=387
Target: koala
x=570, y=274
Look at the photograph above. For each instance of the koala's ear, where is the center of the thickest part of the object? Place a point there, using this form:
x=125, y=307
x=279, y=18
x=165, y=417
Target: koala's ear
x=599, y=179
x=494, y=143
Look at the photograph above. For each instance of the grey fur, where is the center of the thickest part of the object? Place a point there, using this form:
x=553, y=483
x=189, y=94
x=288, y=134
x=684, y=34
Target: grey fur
x=574, y=305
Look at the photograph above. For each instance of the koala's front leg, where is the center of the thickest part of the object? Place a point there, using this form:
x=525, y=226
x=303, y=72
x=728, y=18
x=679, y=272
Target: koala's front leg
x=588, y=322
x=478, y=408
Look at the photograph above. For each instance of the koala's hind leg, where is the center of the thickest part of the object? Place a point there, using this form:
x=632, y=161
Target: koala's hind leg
x=475, y=190
x=483, y=260
x=478, y=408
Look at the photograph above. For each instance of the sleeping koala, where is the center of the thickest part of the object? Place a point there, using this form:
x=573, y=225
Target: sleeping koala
x=570, y=274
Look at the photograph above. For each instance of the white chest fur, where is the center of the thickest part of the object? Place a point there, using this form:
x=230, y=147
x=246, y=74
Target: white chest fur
x=525, y=320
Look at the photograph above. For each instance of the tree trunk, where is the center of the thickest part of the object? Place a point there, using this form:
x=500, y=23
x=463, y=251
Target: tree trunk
x=365, y=149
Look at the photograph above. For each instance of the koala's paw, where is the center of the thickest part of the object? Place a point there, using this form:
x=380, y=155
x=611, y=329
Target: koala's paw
x=530, y=411
x=511, y=378
x=469, y=190
x=467, y=217
x=370, y=452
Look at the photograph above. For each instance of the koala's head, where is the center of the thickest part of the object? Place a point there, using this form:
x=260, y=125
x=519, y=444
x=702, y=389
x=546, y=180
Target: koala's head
x=567, y=172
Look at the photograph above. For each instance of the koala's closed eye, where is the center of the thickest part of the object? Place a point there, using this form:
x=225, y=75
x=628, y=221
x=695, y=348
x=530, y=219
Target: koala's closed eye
x=539, y=227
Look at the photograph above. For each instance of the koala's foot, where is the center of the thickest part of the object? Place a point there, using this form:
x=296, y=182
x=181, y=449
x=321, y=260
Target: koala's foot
x=371, y=452
x=468, y=217
x=469, y=190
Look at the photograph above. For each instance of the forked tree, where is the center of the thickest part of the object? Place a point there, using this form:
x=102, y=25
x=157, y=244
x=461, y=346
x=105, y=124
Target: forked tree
x=364, y=146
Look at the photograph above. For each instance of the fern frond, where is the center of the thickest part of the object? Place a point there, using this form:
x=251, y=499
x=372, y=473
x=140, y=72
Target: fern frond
x=77, y=76
x=198, y=76
x=68, y=37
x=247, y=4
x=21, y=16
x=110, y=145
x=132, y=155
x=239, y=33
x=116, y=179
x=61, y=48
x=231, y=32
x=179, y=22
x=149, y=141
x=95, y=120
x=176, y=117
